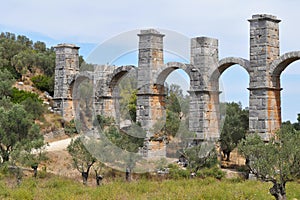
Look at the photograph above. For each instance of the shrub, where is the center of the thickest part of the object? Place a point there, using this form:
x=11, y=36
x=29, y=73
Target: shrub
x=70, y=128
x=214, y=172
x=44, y=83
x=19, y=96
x=177, y=173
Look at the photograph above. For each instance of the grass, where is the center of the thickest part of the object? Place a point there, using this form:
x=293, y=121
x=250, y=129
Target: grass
x=60, y=188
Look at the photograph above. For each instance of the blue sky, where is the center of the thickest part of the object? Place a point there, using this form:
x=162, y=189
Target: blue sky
x=93, y=22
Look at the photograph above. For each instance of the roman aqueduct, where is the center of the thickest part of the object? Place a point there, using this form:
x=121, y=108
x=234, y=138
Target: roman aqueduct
x=264, y=66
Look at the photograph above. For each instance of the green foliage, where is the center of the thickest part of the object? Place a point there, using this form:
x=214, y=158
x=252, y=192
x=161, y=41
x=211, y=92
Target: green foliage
x=132, y=105
x=214, y=172
x=30, y=151
x=6, y=81
x=83, y=66
x=176, y=102
x=15, y=128
x=172, y=123
x=105, y=121
x=34, y=107
x=127, y=88
x=277, y=161
x=31, y=102
x=177, y=106
x=19, y=55
x=296, y=125
x=82, y=158
x=175, y=172
x=209, y=188
x=19, y=96
x=124, y=140
x=44, y=83
x=201, y=156
x=70, y=128
x=234, y=128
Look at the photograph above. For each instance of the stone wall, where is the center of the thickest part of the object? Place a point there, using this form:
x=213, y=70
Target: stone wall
x=264, y=67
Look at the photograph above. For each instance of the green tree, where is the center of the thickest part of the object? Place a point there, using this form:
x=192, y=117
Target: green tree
x=31, y=151
x=277, y=161
x=98, y=166
x=234, y=128
x=44, y=83
x=200, y=156
x=127, y=90
x=18, y=96
x=15, y=125
x=82, y=159
x=39, y=46
x=132, y=105
x=6, y=81
x=129, y=142
x=34, y=107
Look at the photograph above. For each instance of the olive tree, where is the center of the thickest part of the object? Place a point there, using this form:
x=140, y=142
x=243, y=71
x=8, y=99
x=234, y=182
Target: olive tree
x=276, y=161
x=82, y=159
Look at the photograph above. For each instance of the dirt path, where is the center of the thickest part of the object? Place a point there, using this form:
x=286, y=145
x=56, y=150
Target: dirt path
x=58, y=145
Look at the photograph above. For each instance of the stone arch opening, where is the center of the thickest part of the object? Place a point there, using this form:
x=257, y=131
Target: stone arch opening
x=122, y=84
x=175, y=77
x=83, y=96
x=233, y=78
x=284, y=76
x=226, y=63
x=118, y=74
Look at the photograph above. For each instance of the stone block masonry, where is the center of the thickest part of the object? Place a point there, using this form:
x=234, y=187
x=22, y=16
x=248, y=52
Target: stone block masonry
x=264, y=67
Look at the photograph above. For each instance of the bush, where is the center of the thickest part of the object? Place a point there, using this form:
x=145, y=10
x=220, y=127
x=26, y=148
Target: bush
x=19, y=96
x=177, y=173
x=44, y=83
x=70, y=128
x=214, y=172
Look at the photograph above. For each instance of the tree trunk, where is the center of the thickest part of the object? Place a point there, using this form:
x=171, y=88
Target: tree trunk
x=228, y=156
x=98, y=178
x=5, y=156
x=85, y=176
x=19, y=175
x=128, y=174
x=278, y=191
x=34, y=167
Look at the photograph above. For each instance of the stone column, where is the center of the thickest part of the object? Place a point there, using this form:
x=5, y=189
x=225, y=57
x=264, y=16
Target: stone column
x=264, y=104
x=204, y=93
x=105, y=101
x=67, y=66
x=150, y=96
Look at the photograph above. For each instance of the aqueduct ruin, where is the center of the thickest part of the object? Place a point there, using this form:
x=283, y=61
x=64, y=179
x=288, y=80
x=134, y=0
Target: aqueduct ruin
x=264, y=67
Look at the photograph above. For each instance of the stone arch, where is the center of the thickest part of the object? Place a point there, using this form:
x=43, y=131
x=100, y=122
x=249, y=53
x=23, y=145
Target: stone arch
x=79, y=78
x=225, y=63
x=83, y=96
x=168, y=68
x=279, y=65
x=117, y=74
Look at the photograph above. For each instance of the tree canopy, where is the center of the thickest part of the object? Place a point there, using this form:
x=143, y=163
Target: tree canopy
x=277, y=161
x=235, y=126
x=20, y=55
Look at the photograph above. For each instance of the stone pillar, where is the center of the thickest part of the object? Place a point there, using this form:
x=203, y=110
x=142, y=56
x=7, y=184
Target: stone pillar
x=204, y=94
x=105, y=101
x=67, y=66
x=264, y=104
x=150, y=96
